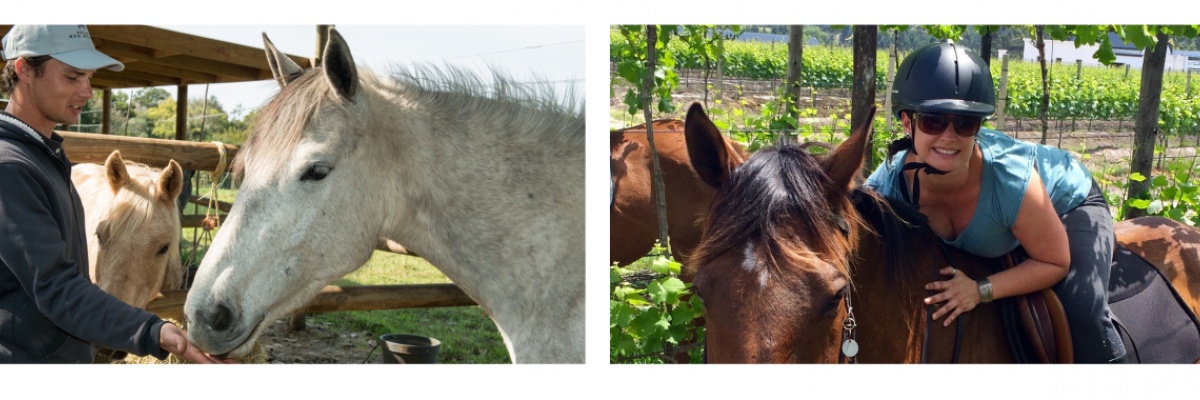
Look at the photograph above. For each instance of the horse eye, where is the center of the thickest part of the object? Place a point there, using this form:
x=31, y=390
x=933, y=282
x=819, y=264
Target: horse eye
x=102, y=232
x=316, y=172
x=164, y=249
x=834, y=303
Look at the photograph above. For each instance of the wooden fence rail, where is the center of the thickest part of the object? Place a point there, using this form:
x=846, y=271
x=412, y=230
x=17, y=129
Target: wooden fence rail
x=95, y=148
x=348, y=298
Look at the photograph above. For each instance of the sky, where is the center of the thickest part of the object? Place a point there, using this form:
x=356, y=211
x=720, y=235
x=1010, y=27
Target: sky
x=553, y=53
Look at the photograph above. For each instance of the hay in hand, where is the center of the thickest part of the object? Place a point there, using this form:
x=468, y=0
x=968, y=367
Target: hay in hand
x=257, y=355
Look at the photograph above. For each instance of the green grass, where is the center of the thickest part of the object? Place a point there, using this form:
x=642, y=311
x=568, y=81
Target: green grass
x=468, y=336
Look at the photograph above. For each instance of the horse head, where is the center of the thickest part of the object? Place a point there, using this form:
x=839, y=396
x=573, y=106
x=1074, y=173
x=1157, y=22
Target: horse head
x=773, y=267
x=300, y=220
x=133, y=227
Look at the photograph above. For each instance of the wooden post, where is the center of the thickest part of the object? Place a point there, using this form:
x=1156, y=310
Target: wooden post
x=106, y=115
x=1078, y=69
x=719, y=83
x=181, y=112
x=1002, y=101
x=887, y=94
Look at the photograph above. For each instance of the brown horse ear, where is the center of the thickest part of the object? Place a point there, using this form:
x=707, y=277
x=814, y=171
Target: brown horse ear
x=706, y=147
x=845, y=164
x=339, y=66
x=170, y=182
x=283, y=68
x=114, y=168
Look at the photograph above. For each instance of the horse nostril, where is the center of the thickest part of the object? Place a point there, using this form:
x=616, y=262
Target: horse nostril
x=220, y=319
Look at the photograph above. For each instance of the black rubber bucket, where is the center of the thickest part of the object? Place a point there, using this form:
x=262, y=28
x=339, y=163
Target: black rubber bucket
x=409, y=349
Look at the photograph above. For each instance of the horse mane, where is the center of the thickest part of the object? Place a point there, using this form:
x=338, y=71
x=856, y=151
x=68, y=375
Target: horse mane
x=280, y=124
x=780, y=188
x=899, y=226
x=528, y=107
x=773, y=201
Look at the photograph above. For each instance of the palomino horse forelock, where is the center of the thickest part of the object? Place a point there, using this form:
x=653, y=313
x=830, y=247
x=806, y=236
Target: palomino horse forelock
x=132, y=224
x=483, y=181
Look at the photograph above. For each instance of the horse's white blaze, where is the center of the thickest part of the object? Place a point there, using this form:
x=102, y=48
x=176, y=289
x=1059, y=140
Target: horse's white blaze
x=751, y=264
x=488, y=188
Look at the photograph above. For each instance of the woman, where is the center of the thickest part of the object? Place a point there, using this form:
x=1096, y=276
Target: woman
x=987, y=193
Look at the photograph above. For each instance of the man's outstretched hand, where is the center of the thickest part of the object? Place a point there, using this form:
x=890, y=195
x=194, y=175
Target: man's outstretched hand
x=174, y=340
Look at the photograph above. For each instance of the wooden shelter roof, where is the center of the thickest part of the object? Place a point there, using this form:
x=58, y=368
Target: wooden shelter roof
x=160, y=57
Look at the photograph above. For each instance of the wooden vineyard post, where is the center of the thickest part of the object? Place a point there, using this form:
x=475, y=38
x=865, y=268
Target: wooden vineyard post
x=887, y=94
x=1002, y=101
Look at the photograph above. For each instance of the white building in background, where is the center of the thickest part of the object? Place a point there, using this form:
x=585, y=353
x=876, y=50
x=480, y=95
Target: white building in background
x=1065, y=53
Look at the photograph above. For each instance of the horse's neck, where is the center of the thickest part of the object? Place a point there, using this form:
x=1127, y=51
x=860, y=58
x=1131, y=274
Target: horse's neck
x=487, y=208
x=892, y=317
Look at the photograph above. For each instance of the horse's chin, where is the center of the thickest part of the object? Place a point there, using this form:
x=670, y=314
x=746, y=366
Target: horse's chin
x=242, y=344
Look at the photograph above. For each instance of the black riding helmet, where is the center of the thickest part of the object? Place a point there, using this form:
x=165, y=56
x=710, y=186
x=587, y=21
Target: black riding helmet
x=946, y=78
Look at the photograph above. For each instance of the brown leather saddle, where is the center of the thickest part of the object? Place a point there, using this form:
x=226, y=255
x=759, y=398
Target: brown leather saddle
x=1044, y=322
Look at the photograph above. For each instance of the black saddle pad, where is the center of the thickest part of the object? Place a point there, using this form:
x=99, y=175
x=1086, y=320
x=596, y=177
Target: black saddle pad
x=1154, y=322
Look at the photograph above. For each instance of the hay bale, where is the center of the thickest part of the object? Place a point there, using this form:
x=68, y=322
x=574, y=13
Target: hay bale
x=257, y=355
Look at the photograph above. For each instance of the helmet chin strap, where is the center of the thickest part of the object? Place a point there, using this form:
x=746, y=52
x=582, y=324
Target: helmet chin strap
x=914, y=197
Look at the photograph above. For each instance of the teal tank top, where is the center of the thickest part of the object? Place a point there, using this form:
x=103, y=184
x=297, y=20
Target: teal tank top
x=1007, y=167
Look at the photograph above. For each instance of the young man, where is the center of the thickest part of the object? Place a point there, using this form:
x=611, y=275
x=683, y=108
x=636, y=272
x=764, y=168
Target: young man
x=50, y=312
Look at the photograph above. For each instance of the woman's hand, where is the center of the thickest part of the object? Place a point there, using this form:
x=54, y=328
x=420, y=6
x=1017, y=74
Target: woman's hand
x=959, y=294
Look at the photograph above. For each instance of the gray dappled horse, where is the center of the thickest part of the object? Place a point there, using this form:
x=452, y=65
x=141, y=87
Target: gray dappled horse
x=485, y=182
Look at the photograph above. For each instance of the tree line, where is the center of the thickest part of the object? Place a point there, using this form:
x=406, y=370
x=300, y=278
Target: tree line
x=150, y=113
x=1010, y=38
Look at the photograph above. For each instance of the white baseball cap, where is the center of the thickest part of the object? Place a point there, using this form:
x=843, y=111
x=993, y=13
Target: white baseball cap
x=70, y=44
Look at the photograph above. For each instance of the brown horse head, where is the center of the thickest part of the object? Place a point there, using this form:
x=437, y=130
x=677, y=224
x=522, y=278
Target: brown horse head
x=633, y=217
x=774, y=261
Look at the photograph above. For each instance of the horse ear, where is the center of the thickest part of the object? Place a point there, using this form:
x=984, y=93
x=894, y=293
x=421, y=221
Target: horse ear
x=706, y=147
x=170, y=182
x=283, y=68
x=114, y=168
x=845, y=164
x=339, y=66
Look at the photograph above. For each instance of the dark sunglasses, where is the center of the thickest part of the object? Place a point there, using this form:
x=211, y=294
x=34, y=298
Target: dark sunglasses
x=935, y=124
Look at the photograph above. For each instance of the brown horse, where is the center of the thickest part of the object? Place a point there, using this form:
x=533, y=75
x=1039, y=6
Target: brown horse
x=632, y=215
x=795, y=260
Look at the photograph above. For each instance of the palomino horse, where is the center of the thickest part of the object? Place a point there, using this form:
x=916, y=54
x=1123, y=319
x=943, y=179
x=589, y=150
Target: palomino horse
x=486, y=186
x=632, y=216
x=133, y=227
x=794, y=263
